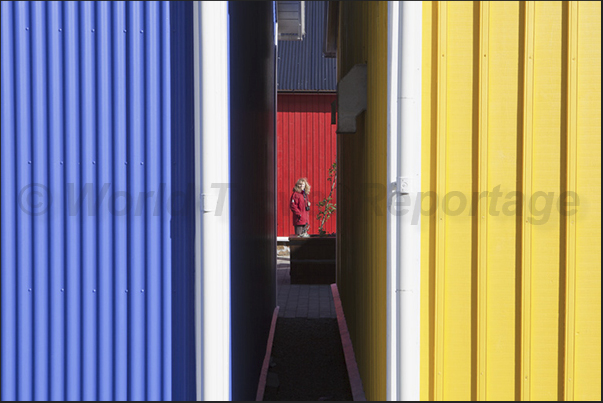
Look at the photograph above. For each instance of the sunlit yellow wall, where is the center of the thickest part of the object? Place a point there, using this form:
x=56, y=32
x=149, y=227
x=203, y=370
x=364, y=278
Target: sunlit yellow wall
x=511, y=298
x=361, y=220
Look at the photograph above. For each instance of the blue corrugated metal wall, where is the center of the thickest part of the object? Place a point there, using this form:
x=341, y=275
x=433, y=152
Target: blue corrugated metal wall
x=86, y=174
x=183, y=211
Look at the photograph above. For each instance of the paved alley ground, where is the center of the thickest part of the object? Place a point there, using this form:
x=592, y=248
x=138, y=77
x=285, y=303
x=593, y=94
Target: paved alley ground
x=307, y=357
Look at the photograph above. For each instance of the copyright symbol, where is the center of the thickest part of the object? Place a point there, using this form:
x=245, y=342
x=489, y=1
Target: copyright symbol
x=34, y=199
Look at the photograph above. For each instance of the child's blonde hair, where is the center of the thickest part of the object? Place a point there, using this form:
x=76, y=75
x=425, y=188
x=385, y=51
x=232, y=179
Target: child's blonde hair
x=298, y=184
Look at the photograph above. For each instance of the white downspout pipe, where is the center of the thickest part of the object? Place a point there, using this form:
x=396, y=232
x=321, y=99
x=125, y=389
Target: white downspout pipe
x=405, y=241
x=392, y=174
x=212, y=226
x=409, y=162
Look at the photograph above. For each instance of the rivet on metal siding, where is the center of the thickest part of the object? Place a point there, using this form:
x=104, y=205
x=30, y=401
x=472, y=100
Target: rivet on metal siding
x=93, y=162
x=94, y=290
x=92, y=29
x=29, y=290
x=142, y=163
x=61, y=162
x=126, y=290
x=29, y=162
x=27, y=28
x=141, y=31
x=126, y=163
x=60, y=29
x=141, y=290
x=62, y=289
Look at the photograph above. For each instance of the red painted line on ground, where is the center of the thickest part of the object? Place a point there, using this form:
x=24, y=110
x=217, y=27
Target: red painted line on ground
x=348, y=349
x=264, y=374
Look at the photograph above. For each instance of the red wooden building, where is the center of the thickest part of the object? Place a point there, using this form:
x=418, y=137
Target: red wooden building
x=306, y=139
x=306, y=147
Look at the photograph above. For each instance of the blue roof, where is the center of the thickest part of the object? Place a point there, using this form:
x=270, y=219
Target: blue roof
x=301, y=65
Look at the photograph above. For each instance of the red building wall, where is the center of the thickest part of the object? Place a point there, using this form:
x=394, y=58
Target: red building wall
x=306, y=147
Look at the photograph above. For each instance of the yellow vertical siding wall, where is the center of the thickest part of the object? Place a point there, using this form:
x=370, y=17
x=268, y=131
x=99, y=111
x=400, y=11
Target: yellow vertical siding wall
x=361, y=218
x=511, y=291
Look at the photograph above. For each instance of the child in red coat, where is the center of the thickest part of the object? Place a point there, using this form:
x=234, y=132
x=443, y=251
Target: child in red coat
x=300, y=206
